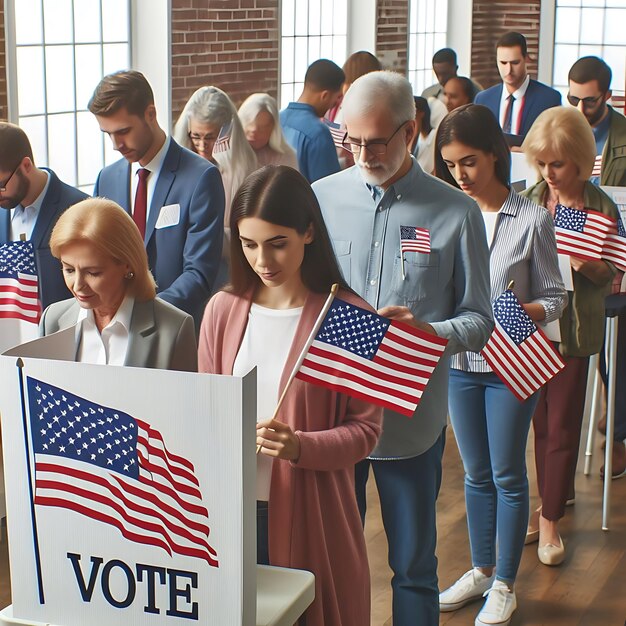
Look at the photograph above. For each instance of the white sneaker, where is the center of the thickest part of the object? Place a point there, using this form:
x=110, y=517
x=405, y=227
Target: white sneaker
x=499, y=606
x=471, y=586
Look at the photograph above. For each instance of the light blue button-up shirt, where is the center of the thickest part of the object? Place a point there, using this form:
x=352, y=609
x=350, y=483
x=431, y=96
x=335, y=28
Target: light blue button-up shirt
x=311, y=139
x=448, y=288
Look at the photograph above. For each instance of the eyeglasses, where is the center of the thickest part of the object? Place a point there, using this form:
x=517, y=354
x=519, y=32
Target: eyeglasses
x=377, y=148
x=3, y=186
x=197, y=139
x=587, y=102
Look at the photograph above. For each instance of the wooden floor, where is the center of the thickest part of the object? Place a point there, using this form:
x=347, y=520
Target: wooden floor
x=589, y=589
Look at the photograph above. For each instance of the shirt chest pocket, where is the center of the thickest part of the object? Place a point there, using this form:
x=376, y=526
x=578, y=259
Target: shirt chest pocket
x=419, y=279
x=342, y=252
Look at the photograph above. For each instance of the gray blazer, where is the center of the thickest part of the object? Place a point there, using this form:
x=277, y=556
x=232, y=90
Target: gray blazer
x=161, y=336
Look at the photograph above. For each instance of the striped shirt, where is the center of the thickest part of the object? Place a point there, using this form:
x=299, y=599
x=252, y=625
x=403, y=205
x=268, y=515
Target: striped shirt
x=523, y=250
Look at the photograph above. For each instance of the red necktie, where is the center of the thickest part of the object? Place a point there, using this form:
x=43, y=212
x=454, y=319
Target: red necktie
x=141, y=201
x=508, y=115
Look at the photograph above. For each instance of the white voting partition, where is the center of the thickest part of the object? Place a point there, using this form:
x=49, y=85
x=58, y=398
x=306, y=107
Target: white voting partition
x=105, y=544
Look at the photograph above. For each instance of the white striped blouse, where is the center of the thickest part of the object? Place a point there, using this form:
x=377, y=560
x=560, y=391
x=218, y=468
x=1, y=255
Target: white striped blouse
x=523, y=250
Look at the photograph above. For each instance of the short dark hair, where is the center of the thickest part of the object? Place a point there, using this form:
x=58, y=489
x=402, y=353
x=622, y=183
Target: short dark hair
x=473, y=125
x=513, y=40
x=324, y=75
x=127, y=89
x=445, y=55
x=466, y=85
x=14, y=146
x=591, y=68
x=422, y=106
x=281, y=195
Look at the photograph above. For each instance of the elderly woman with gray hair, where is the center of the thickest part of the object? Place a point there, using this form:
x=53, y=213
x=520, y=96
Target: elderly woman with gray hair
x=261, y=124
x=209, y=125
x=118, y=318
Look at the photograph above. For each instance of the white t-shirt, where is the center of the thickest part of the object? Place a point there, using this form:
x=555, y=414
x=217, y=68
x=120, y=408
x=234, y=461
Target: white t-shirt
x=490, y=220
x=265, y=345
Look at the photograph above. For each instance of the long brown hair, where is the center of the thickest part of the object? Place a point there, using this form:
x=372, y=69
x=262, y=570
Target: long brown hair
x=281, y=195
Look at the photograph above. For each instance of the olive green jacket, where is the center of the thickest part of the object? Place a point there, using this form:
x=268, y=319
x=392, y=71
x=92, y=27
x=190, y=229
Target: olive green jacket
x=614, y=153
x=582, y=322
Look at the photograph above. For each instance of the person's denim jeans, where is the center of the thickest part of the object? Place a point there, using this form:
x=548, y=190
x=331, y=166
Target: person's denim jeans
x=491, y=427
x=408, y=490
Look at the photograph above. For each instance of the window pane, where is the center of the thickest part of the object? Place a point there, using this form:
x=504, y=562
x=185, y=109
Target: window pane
x=87, y=21
x=30, y=81
x=413, y=65
x=595, y=51
x=302, y=17
x=28, y=22
x=287, y=18
x=614, y=28
x=301, y=58
x=616, y=59
x=58, y=21
x=326, y=47
x=35, y=129
x=340, y=17
x=340, y=44
x=115, y=20
x=328, y=17
x=90, y=149
x=61, y=146
x=88, y=64
x=60, y=78
x=314, y=49
x=287, y=60
x=591, y=25
x=564, y=58
x=115, y=57
x=315, y=7
x=567, y=27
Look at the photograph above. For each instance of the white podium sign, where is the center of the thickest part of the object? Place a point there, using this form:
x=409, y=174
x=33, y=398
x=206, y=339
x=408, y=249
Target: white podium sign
x=131, y=495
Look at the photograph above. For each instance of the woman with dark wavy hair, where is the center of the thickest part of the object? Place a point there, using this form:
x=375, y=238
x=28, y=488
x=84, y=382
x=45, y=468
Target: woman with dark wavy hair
x=283, y=268
x=490, y=423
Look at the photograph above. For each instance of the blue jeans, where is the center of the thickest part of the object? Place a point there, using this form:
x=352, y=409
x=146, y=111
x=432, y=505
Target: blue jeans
x=491, y=427
x=408, y=490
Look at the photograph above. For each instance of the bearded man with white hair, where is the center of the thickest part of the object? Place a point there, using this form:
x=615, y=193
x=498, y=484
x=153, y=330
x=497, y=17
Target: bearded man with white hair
x=442, y=289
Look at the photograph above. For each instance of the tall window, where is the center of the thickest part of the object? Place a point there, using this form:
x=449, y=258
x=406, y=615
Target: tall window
x=311, y=30
x=428, y=25
x=589, y=27
x=62, y=49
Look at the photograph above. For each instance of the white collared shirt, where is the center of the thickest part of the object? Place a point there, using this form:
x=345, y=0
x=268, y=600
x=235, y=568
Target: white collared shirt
x=517, y=105
x=155, y=169
x=108, y=347
x=23, y=219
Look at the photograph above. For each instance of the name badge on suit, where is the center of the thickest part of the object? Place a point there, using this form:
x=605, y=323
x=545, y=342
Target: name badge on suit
x=169, y=215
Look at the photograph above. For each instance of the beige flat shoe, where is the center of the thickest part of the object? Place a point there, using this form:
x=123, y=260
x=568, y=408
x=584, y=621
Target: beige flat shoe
x=551, y=554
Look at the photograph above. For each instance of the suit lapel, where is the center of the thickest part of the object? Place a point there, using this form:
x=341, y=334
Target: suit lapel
x=163, y=185
x=119, y=190
x=142, y=334
x=49, y=208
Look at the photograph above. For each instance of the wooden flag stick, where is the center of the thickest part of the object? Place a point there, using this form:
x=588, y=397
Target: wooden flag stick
x=307, y=345
x=510, y=285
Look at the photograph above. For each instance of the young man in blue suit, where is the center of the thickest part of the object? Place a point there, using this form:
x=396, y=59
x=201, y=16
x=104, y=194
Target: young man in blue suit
x=34, y=198
x=518, y=100
x=175, y=197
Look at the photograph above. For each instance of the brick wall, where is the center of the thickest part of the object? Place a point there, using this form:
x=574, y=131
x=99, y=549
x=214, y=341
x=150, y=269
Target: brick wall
x=491, y=19
x=392, y=32
x=232, y=44
x=4, y=110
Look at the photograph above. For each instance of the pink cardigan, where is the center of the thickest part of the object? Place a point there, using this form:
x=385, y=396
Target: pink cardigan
x=314, y=522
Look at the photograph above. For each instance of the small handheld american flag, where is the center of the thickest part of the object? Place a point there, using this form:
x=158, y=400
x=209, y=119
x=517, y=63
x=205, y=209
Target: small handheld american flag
x=19, y=285
x=614, y=249
x=517, y=351
x=414, y=239
x=222, y=143
x=581, y=233
x=337, y=132
x=364, y=355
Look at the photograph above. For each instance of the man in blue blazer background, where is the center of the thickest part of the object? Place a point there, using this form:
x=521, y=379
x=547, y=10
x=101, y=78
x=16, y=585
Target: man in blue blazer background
x=175, y=197
x=518, y=100
x=34, y=199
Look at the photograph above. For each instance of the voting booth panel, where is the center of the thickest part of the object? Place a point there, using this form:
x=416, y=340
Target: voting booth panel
x=130, y=494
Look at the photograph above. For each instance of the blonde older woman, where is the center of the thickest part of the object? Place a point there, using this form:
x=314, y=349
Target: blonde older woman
x=261, y=124
x=210, y=115
x=561, y=146
x=119, y=320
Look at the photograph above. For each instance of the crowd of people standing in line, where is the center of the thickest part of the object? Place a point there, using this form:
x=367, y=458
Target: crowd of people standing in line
x=265, y=210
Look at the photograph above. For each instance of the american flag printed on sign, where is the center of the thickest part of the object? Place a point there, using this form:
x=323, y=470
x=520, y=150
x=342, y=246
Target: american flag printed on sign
x=581, y=233
x=19, y=285
x=517, y=351
x=414, y=239
x=116, y=469
x=367, y=356
x=337, y=132
x=615, y=246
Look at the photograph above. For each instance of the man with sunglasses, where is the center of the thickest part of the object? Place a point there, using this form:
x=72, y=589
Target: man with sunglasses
x=175, y=197
x=442, y=289
x=33, y=199
x=589, y=91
